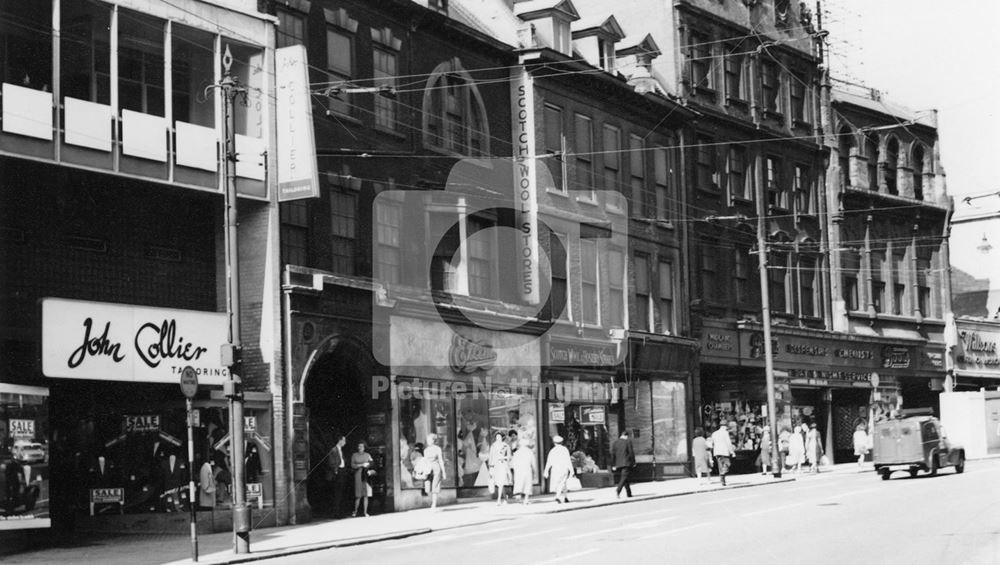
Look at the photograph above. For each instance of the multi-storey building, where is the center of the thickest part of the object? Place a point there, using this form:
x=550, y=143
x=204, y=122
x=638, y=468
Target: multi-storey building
x=113, y=258
x=390, y=273
x=755, y=161
x=609, y=137
x=888, y=233
x=400, y=280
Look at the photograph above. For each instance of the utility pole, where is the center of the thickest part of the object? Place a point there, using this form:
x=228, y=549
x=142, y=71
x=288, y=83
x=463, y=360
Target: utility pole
x=765, y=314
x=232, y=352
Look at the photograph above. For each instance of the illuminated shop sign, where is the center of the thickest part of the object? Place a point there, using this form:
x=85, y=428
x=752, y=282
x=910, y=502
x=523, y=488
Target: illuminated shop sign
x=117, y=342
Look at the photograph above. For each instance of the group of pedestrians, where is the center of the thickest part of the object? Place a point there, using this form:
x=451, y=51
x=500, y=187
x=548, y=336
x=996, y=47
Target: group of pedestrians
x=361, y=468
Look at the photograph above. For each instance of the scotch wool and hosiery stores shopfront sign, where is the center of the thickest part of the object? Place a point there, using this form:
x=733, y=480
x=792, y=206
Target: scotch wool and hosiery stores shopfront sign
x=118, y=342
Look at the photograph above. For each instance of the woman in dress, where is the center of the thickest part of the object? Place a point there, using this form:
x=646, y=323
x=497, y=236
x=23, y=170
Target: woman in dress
x=796, y=450
x=765, y=450
x=361, y=463
x=523, y=465
x=434, y=460
x=860, y=444
x=558, y=468
x=814, y=448
x=702, y=457
x=499, y=464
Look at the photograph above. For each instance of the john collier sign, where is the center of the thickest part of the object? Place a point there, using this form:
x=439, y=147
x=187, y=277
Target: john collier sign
x=117, y=342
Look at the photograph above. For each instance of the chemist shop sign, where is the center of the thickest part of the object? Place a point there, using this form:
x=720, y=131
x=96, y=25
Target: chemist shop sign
x=118, y=342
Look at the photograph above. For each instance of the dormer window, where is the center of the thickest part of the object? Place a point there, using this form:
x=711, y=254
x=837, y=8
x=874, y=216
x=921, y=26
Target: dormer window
x=595, y=40
x=550, y=23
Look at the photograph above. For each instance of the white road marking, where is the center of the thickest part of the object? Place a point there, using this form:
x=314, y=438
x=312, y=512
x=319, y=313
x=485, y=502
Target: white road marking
x=507, y=539
x=569, y=556
x=675, y=530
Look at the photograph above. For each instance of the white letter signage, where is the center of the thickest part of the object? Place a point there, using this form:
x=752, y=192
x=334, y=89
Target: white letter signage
x=118, y=342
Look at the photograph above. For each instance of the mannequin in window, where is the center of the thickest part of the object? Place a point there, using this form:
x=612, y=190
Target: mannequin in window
x=174, y=474
x=102, y=472
x=252, y=463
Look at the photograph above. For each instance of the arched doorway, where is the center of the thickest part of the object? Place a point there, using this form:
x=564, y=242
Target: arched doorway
x=337, y=394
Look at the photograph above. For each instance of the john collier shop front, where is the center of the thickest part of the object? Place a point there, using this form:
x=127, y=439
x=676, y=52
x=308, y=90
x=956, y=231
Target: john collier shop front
x=118, y=433
x=834, y=380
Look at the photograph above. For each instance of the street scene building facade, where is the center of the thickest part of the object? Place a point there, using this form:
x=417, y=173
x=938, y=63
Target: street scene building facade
x=537, y=218
x=113, y=250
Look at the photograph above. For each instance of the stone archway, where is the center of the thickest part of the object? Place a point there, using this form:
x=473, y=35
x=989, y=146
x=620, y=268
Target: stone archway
x=337, y=394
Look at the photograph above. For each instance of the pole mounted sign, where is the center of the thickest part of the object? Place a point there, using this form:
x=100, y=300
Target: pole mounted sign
x=189, y=382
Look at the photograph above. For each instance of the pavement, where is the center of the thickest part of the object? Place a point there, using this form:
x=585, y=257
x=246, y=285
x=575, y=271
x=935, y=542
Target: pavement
x=217, y=548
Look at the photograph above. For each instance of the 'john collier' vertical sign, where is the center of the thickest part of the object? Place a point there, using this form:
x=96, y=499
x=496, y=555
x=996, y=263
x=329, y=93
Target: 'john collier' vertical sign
x=522, y=98
x=297, y=176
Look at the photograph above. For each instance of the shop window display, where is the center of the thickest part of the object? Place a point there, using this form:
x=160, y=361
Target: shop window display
x=587, y=435
x=143, y=452
x=24, y=457
x=669, y=422
x=419, y=416
x=465, y=428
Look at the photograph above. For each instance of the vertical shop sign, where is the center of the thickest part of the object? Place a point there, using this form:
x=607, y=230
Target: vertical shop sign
x=297, y=176
x=522, y=99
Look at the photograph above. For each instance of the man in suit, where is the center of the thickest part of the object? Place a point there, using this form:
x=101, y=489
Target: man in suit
x=622, y=461
x=336, y=475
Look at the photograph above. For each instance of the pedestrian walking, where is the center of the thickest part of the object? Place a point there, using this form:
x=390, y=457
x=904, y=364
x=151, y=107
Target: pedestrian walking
x=765, y=450
x=434, y=463
x=722, y=448
x=702, y=456
x=499, y=465
x=206, y=486
x=796, y=450
x=814, y=448
x=622, y=461
x=860, y=444
x=558, y=468
x=523, y=465
x=361, y=462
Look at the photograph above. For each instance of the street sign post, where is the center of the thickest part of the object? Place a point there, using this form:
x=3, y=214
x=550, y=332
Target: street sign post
x=189, y=387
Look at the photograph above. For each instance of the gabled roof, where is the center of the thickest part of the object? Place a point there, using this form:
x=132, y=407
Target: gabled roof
x=533, y=9
x=593, y=25
x=639, y=45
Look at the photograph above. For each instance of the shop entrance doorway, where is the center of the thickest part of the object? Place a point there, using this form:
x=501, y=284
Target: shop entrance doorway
x=850, y=409
x=336, y=395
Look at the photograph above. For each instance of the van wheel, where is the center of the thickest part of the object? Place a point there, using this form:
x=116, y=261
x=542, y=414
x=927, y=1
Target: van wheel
x=960, y=466
x=913, y=471
x=885, y=474
x=934, y=465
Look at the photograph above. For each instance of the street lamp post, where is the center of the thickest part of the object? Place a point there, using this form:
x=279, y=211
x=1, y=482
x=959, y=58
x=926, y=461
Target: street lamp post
x=232, y=351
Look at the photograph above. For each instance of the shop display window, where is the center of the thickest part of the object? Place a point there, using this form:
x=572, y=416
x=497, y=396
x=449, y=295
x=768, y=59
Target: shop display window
x=465, y=429
x=669, y=422
x=142, y=450
x=24, y=457
x=587, y=430
x=421, y=414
